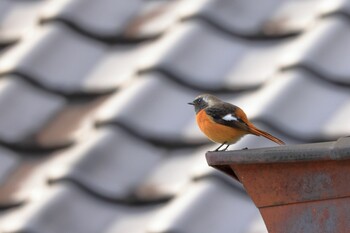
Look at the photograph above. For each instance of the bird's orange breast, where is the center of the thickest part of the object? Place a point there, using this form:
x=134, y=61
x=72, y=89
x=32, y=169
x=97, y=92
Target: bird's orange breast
x=217, y=132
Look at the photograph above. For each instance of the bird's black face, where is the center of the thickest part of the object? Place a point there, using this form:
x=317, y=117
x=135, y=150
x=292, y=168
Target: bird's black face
x=199, y=103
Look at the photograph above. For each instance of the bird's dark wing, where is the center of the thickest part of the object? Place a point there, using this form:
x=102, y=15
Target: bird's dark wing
x=228, y=114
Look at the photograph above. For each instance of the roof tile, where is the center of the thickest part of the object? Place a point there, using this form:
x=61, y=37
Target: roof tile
x=336, y=6
x=21, y=103
x=106, y=19
x=9, y=161
x=16, y=17
x=25, y=182
x=205, y=206
x=165, y=180
x=203, y=58
x=132, y=219
x=104, y=163
x=48, y=58
x=293, y=16
x=257, y=226
x=245, y=18
x=324, y=50
x=73, y=122
x=64, y=207
x=153, y=19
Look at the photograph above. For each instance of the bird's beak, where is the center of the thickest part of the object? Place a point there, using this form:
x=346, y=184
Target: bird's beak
x=191, y=103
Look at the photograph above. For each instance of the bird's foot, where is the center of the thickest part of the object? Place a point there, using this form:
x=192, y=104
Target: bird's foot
x=245, y=148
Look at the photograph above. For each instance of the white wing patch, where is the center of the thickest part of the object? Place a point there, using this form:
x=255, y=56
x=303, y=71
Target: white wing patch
x=230, y=117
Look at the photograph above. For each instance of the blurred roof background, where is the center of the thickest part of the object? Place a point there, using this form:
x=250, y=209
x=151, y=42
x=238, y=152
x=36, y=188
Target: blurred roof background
x=95, y=132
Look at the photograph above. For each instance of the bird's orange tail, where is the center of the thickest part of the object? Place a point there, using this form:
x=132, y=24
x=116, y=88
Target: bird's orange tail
x=259, y=132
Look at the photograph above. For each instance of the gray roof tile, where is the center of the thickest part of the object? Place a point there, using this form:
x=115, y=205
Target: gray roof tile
x=106, y=19
x=132, y=220
x=16, y=17
x=165, y=180
x=306, y=96
x=205, y=206
x=111, y=163
x=153, y=19
x=257, y=226
x=65, y=208
x=47, y=57
x=324, y=50
x=73, y=122
x=245, y=18
x=206, y=59
x=336, y=6
x=116, y=68
x=21, y=103
x=293, y=16
x=24, y=182
x=163, y=99
x=65, y=62
x=9, y=161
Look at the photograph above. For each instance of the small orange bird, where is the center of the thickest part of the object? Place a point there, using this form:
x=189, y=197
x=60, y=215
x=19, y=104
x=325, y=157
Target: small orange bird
x=223, y=122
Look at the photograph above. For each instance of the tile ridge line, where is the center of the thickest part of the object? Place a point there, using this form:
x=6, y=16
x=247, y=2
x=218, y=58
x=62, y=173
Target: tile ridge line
x=177, y=80
x=130, y=202
x=317, y=75
x=105, y=39
x=31, y=80
x=34, y=150
x=249, y=37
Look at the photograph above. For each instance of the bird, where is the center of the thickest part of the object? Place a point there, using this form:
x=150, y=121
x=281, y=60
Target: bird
x=223, y=122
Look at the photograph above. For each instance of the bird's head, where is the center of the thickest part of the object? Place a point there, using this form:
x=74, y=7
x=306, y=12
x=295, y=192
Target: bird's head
x=203, y=101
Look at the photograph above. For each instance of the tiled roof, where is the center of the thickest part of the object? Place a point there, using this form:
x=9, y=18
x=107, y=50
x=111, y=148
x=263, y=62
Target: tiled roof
x=95, y=132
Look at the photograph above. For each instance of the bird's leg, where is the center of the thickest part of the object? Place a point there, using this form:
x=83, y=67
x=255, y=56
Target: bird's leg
x=226, y=147
x=217, y=149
